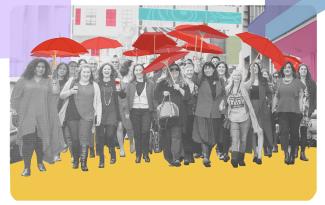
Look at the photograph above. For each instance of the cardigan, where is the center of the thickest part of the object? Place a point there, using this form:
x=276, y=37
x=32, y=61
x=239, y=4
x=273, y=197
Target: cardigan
x=97, y=103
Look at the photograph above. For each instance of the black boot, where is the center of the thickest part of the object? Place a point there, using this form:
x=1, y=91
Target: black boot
x=303, y=156
x=75, y=156
x=241, y=160
x=91, y=152
x=292, y=156
x=286, y=157
x=113, y=155
x=226, y=157
x=146, y=158
x=234, y=159
x=296, y=152
x=83, y=157
x=138, y=159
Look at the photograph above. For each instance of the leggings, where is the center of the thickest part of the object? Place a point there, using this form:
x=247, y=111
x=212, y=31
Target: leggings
x=32, y=142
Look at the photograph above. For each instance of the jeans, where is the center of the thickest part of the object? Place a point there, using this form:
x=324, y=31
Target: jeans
x=238, y=132
x=32, y=142
x=141, y=121
x=171, y=141
x=80, y=131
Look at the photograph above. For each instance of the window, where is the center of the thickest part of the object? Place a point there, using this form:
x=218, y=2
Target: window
x=111, y=17
x=91, y=17
x=77, y=18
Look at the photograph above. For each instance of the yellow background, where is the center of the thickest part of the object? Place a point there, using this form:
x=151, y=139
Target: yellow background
x=125, y=180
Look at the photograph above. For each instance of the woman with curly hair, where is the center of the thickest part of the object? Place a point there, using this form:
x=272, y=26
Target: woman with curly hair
x=38, y=125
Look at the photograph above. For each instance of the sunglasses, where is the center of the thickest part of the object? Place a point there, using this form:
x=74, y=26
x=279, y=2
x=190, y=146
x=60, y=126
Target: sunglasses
x=114, y=62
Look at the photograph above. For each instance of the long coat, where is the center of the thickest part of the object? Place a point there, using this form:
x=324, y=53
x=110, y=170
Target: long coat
x=263, y=114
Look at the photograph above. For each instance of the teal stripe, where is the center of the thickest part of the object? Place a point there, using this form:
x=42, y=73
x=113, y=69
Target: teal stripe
x=190, y=16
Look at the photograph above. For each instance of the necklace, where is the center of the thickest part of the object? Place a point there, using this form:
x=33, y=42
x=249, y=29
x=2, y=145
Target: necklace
x=287, y=81
x=107, y=89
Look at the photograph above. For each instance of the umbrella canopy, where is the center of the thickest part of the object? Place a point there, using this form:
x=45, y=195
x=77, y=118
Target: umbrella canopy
x=49, y=54
x=101, y=43
x=263, y=45
x=55, y=46
x=202, y=30
x=153, y=41
x=139, y=52
x=287, y=58
x=206, y=48
x=164, y=60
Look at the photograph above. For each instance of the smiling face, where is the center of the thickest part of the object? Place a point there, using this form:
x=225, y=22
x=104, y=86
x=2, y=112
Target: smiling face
x=189, y=71
x=138, y=71
x=107, y=71
x=85, y=73
x=288, y=70
x=116, y=63
x=221, y=69
x=255, y=68
x=236, y=76
x=40, y=69
x=303, y=70
x=208, y=71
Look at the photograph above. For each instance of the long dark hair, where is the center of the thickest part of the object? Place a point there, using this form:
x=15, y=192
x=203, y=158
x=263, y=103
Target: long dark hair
x=309, y=80
x=227, y=75
x=100, y=72
x=30, y=69
x=66, y=76
x=144, y=75
x=294, y=75
x=261, y=80
x=215, y=77
x=82, y=66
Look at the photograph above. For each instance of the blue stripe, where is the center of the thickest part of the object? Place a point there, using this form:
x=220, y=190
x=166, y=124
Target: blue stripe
x=293, y=17
x=190, y=16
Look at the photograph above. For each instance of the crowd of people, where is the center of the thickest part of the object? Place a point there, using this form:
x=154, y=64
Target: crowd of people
x=193, y=105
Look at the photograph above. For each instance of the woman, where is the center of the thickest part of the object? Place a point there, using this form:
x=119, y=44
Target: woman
x=175, y=88
x=140, y=97
x=73, y=67
x=288, y=102
x=241, y=115
x=260, y=95
x=125, y=125
x=61, y=74
x=38, y=125
x=80, y=111
x=207, y=121
x=224, y=142
x=190, y=147
x=309, y=101
x=106, y=132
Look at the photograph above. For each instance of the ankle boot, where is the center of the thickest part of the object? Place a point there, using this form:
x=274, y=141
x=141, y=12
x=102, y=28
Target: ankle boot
x=303, y=156
x=113, y=155
x=241, y=160
x=83, y=157
x=234, y=159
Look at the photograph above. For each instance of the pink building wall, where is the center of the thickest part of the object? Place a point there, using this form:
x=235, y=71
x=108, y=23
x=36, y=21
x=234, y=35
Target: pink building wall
x=303, y=44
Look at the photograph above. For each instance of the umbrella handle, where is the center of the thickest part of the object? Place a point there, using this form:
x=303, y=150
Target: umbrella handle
x=170, y=74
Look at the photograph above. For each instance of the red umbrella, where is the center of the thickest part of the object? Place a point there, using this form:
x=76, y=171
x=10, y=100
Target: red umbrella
x=50, y=54
x=164, y=60
x=206, y=48
x=139, y=52
x=153, y=41
x=100, y=43
x=202, y=31
x=263, y=45
x=287, y=58
x=58, y=46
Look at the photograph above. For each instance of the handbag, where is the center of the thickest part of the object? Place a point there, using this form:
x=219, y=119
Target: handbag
x=167, y=109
